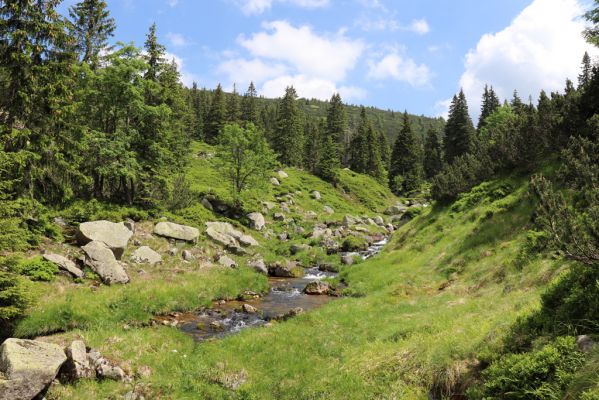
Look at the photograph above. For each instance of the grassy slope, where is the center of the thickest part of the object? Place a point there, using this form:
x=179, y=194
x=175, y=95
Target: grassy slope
x=443, y=294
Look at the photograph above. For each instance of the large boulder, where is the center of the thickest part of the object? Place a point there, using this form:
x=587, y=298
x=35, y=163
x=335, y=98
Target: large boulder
x=317, y=288
x=315, y=195
x=396, y=209
x=258, y=265
x=103, y=262
x=287, y=269
x=145, y=255
x=275, y=182
x=114, y=235
x=64, y=264
x=350, y=220
x=257, y=221
x=78, y=365
x=282, y=174
x=176, y=231
x=224, y=233
x=227, y=261
x=27, y=367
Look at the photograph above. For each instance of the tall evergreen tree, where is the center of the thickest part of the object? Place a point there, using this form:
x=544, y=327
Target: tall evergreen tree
x=405, y=172
x=489, y=105
x=328, y=162
x=384, y=149
x=586, y=71
x=433, y=160
x=337, y=124
x=216, y=116
x=249, y=106
x=154, y=54
x=365, y=150
x=196, y=103
x=313, y=145
x=288, y=137
x=459, y=130
x=91, y=26
x=233, y=107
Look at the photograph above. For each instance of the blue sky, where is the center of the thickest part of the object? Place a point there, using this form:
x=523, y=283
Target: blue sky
x=397, y=54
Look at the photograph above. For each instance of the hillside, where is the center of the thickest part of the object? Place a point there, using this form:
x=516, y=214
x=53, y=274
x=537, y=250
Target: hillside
x=424, y=316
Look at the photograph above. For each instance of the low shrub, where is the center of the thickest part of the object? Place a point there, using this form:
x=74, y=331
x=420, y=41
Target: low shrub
x=14, y=300
x=354, y=243
x=37, y=269
x=541, y=374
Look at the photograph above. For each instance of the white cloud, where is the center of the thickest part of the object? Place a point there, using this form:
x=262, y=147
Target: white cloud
x=253, y=7
x=177, y=39
x=172, y=3
x=540, y=49
x=187, y=78
x=245, y=71
x=404, y=69
x=419, y=26
x=282, y=55
x=313, y=55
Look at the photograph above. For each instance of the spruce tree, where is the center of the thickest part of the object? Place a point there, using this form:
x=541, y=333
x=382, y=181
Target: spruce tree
x=433, y=160
x=313, y=146
x=233, y=108
x=249, y=107
x=459, y=130
x=328, y=162
x=586, y=71
x=216, y=116
x=405, y=172
x=91, y=26
x=288, y=137
x=384, y=149
x=365, y=150
x=337, y=124
x=489, y=105
x=196, y=103
x=154, y=54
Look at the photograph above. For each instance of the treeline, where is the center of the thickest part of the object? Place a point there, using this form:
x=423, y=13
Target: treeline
x=514, y=135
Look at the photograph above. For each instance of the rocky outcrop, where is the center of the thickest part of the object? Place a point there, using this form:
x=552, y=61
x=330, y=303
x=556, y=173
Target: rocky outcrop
x=379, y=220
x=64, y=264
x=396, y=209
x=176, y=231
x=187, y=255
x=317, y=288
x=349, y=220
x=227, y=261
x=27, y=367
x=287, y=269
x=77, y=365
x=249, y=309
x=145, y=255
x=279, y=217
x=103, y=262
x=257, y=221
x=114, y=235
x=258, y=265
x=224, y=233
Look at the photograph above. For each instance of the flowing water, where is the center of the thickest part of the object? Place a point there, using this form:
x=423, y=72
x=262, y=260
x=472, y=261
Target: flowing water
x=285, y=298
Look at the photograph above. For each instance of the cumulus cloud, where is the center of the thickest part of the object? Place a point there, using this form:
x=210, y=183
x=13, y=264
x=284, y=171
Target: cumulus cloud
x=419, y=26
x=253, y=7
x=282, y=55
x=403, y=69
x=540, y=49
x=176, y=39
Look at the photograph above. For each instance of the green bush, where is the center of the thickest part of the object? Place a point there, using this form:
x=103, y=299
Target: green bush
x=37, y=269
x=354, y=243
x=82, y=211
x=14, y=300
x=541, y=374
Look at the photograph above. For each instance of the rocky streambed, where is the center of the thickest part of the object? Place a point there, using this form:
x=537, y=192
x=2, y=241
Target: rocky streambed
x=286, y=298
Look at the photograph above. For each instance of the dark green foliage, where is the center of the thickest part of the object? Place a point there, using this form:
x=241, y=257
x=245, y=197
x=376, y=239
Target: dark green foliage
x=406, y=160
x=91, y=26
x=466, y=172
x=328, y=162
x=459, y=131
x=154, y=54
x=36, y=269
x=313, y=146
x=14, y=299
x=489, y=105
x=217, y=115
x=365, y=151
x=337, y=124
x=249, y=106
x=433, y=157
x=245, y=157
x=540, y=374
x=288, y=137
x=233, y=107
x=586, y=71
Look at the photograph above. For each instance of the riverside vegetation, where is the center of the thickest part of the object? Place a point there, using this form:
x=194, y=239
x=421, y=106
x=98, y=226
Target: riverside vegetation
x=132, y=205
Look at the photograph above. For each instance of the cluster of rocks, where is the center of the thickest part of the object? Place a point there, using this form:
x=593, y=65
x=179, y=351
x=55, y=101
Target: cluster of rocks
x=231, y=238
x=29, y=367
